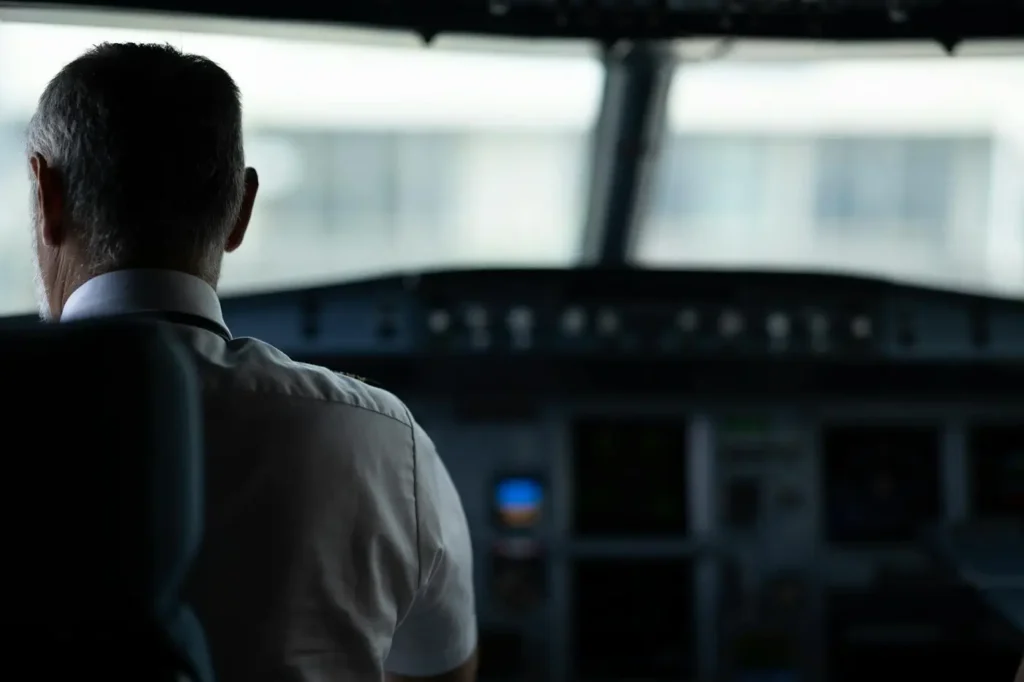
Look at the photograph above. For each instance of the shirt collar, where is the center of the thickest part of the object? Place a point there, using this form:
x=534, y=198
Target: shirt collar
x=125, y=292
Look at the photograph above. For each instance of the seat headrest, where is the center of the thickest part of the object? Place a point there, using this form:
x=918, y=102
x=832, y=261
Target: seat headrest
x=102, y=463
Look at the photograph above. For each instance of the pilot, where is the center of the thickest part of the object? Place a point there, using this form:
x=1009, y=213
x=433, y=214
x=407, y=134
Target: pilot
x=336, y=545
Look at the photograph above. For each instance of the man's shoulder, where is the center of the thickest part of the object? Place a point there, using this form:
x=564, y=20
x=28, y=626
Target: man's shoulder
x=252, y=366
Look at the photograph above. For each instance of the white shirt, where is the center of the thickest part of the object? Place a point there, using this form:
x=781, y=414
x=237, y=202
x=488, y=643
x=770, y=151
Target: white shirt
x=336, y=546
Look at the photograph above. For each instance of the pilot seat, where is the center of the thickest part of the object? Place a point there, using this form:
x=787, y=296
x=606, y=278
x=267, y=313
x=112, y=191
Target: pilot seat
x=103, y=511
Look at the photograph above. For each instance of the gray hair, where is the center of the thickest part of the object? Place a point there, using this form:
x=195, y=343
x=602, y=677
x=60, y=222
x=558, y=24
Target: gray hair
x=147, y=142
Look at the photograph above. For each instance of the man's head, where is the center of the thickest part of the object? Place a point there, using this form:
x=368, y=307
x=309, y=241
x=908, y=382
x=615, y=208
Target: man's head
x=136, y=160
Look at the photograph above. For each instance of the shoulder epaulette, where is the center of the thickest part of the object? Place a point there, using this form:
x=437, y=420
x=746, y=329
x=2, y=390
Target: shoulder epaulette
x=357, y=378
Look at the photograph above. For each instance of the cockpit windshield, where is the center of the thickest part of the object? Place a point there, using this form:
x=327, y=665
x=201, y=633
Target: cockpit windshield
x=375, y=153
x=380, y=155
x=892, y=161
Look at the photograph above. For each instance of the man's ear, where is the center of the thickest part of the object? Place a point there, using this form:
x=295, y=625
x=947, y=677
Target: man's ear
x=252, y=186
x=49, y=198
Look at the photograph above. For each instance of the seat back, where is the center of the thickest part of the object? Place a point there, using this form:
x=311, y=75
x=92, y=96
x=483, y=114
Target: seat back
x=102, y=461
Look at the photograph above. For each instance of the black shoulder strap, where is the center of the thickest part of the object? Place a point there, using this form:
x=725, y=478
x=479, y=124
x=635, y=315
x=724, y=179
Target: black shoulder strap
x=187, y=319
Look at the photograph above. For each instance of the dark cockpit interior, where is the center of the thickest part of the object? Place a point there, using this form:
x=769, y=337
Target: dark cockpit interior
x=713, y=309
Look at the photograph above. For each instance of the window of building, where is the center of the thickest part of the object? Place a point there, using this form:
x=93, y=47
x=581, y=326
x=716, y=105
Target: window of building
x=885, y=184
x=391, y=178
x=353, y=181
x=295, y=171
x=711, y=177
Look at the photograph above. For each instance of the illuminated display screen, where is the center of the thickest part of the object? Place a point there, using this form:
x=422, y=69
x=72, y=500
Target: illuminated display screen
x=881, y=483
x=997, y=471
x=519, y=501
x=629, y=477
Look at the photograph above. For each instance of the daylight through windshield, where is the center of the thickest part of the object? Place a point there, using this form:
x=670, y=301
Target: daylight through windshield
x=375, y=154
x=379, y=155
x=892, y=161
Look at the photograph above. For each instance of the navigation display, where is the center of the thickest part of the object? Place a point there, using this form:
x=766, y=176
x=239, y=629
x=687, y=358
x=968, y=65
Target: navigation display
x=997, y=471
x=629, y=477
x=881, y=483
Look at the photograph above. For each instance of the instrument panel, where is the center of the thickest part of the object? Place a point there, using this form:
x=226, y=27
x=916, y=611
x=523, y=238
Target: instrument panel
x=699, y=476
x=669, y=540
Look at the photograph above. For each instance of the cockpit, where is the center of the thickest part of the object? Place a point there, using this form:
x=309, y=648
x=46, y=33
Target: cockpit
x=716, y=331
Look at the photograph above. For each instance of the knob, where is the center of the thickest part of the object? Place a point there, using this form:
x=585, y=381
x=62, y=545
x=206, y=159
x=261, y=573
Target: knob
x=730, y=324
x=778, y=326
x=688, y=321
x=439, y=321
x=818, y=326
x=608, y=322
x=520, y=326
x=476, y=317
x=574, y=321
x=520, y=319
x=861, y=327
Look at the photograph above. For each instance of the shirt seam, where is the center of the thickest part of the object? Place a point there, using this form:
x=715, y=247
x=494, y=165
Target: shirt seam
x=320, y=399
x=416, y=502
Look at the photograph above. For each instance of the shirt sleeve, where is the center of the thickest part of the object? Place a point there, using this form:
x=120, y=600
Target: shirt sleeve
x=439, y=632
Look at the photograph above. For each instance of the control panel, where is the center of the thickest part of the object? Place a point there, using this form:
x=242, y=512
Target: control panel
x=636, y=314
x=671, y=539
